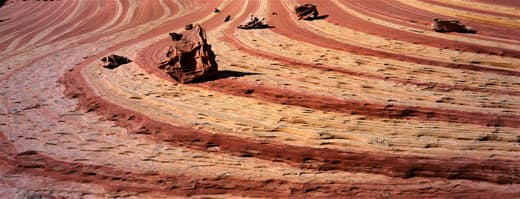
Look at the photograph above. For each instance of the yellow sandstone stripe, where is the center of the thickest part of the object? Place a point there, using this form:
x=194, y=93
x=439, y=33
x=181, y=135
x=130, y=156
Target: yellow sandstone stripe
x=219, y=113
x=375, y=90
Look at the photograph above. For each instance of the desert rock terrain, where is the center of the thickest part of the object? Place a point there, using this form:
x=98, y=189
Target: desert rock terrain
x=366, y=101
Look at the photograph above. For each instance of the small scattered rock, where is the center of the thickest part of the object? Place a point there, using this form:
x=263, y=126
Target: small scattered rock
x=488, y=137
x=249, y=91
x=113, y=61
x=253, y=22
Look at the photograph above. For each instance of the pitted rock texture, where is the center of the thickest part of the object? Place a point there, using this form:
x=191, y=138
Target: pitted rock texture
x=190, y=57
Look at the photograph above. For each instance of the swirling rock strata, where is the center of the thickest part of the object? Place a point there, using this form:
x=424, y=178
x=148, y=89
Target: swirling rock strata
x=368, y=102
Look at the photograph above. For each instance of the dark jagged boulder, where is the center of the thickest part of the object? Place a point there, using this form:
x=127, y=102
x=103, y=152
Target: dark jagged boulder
x=113, y=61
x=450, y=25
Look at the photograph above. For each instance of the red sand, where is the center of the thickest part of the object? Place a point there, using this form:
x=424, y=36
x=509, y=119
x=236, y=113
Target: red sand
x=512, y=3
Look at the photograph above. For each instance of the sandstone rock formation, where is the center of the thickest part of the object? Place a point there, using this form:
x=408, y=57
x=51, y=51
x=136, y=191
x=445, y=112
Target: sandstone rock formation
x=306, y=11
x=450, y=25
x=369, y=103
x=190, y=56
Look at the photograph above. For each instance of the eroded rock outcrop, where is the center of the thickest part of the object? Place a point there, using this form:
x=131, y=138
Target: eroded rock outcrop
x=306, y=11
x=450, y=25
x=190, y=56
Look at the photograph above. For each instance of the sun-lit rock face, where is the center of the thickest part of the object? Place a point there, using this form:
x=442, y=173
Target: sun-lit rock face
x=189, y=57
x=366, y=101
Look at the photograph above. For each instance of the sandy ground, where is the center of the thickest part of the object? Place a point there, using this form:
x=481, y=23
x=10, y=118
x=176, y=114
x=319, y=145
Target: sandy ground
x=367, y=102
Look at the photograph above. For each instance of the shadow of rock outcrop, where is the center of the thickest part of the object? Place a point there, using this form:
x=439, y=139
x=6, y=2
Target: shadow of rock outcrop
x=318, y=17
x=225, y=74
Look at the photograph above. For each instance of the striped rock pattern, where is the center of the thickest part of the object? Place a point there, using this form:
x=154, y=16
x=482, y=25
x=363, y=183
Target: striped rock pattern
x=368, y=102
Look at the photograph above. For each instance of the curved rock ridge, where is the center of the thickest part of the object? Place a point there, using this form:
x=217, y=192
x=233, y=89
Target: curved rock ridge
x=365, y=100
